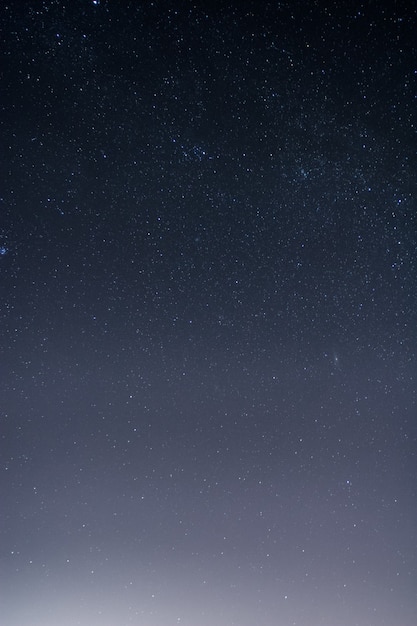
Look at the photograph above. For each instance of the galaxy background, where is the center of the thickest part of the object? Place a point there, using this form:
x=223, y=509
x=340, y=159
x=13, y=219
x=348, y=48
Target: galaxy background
x=208, y=313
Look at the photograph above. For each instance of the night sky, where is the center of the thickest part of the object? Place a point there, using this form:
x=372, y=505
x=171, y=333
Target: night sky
x=208, y=313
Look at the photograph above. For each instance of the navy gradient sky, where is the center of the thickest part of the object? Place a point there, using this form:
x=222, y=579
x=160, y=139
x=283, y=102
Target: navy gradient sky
x=208, y=328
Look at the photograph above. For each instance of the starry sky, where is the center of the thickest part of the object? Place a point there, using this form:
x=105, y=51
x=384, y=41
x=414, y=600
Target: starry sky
x=208, y=313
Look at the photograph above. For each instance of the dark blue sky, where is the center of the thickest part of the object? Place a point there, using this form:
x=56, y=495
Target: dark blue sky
x=208, y=235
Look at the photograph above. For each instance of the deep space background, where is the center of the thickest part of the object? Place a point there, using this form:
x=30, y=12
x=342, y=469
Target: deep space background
x=208, y=313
